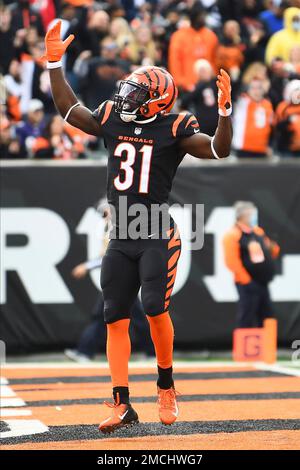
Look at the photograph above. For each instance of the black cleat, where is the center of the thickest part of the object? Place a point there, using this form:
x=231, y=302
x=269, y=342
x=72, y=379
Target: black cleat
x=122, y=416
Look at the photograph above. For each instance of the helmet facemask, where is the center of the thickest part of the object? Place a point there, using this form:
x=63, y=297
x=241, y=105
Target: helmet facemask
x=130, y=98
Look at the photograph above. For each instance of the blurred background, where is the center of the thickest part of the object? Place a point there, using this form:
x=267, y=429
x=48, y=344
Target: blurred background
x=52, y=174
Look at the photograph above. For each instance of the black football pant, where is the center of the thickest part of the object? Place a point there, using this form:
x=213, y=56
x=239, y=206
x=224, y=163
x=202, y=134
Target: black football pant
x=254, y=305
x=129, y=265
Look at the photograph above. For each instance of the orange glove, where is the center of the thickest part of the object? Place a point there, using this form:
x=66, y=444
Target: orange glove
x=224, y=93
x=55, y=47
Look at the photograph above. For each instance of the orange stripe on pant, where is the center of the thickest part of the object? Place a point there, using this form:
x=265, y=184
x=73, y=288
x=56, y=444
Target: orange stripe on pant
x=174, y=258
x=172, y=263
x=174, y=241
x=161, y=327
x=172, y=275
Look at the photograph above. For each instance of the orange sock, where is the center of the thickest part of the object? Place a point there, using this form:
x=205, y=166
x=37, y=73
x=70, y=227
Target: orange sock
x=118, y=349
x=162, y=334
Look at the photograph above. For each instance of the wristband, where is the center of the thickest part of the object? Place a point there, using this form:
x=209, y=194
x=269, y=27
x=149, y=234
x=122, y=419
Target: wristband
x=54, y=65
x=227, y=113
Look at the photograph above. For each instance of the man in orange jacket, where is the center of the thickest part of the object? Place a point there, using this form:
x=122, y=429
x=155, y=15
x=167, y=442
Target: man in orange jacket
x=189, y=44
x=250, y=254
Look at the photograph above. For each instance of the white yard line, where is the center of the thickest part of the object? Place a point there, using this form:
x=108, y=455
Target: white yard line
x=8, y=412
x=6, y=391
x=9, y=402
x=278, y=368
x=132, y=365
x=12, y=408
x=23, y=427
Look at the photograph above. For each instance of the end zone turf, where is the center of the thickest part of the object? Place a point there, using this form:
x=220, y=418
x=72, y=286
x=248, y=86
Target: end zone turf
x=223, y=406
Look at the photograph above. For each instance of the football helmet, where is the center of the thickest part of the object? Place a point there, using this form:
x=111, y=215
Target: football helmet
x=146, y=92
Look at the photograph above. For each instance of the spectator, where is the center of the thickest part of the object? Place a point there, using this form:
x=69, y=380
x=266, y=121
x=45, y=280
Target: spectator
x=288, y=120
x=282, y=42
x=203, y=101
x=252, y=122
x=120, y=31
x=168, y=26
x=24, y=16
x=100, y=74
x=230, y=51
x=56, y=143
x=47, y=11
x=97, y=29
x=256, y=39
x=13, y=84
x=189, y=44
x=10, y=147
x=7, y=33
x=31, y=38
x=256, y=71
x=249, y=255
x=295, y=60
x=281, y=73
x=272, y=17
x=229, y=10
x=142, y=50
x=34, y=125
x=250, y=9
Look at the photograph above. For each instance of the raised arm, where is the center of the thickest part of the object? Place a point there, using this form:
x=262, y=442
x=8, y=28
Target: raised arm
x=64, y=98
x=218, y=146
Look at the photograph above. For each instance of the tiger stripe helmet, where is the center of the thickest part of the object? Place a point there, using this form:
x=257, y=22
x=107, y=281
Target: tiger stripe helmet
x=146, y=92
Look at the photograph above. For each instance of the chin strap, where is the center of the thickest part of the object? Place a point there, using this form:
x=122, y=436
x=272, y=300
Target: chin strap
x=145, y=121
x=133, y=118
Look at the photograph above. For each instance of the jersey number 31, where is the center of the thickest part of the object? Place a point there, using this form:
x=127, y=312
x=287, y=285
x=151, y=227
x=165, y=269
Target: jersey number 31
x=127, y=166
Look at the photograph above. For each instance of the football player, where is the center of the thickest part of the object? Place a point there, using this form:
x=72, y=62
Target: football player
x=146, y=143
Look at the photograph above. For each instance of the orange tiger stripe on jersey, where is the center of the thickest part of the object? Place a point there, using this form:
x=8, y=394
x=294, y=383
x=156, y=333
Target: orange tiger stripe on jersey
x=107, y=112
x=176, y=123
x=191, y=119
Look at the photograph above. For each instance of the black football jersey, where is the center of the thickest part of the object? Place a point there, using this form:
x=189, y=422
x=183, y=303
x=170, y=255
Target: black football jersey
x=143, y=156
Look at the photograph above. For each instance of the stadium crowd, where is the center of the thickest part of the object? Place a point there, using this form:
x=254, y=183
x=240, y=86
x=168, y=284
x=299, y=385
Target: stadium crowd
x=256, y=41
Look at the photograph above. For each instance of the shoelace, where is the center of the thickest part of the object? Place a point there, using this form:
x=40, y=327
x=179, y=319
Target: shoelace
x=114, y=404
x=166, y=398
